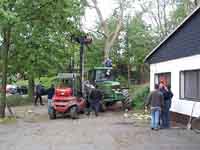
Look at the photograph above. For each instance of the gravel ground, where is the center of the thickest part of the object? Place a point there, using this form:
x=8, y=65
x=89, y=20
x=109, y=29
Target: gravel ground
x=109, y=131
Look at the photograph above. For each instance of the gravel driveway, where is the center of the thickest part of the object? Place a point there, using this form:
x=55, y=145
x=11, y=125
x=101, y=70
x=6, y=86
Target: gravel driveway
x=109, y=131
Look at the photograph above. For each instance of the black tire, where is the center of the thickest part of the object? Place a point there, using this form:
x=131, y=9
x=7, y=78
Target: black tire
x=74, y=112
x=52, y=114
x=127, y=101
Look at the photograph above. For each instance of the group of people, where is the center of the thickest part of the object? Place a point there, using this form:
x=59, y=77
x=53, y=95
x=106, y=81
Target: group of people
x=93, y=100
x=159, y=101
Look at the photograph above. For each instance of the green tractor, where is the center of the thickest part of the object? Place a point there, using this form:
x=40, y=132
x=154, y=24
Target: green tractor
x=104, y=78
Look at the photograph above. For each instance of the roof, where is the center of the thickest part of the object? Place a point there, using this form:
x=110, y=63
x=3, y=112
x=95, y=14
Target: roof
x=187, y=19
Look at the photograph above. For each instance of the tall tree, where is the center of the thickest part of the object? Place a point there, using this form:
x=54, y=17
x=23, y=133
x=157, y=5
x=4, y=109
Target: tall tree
x=7, y=19
x=158, y=13
x=35, y=33
x=140, y=43
x=118, y=15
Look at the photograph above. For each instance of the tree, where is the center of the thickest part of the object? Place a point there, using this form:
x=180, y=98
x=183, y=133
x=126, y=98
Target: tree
x=158, y=13
x=118, y=16
x=7, y=19
x=140, y=43
x=33, y=32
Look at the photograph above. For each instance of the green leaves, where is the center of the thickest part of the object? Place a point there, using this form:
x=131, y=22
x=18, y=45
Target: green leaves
x=40, y=29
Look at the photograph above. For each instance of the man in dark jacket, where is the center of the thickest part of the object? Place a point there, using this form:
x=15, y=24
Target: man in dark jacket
x=165, y=114
x=94, y=100
x=155, y=100
x=50, y=92
x=38, y=93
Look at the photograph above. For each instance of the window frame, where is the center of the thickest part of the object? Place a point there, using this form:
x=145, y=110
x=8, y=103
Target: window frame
x=156, y=75
x=182, y=73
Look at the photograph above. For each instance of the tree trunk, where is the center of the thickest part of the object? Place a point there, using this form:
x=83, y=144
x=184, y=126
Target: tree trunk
x=129, y=74
x=31, y=86
x=6, y=47
x=142, y=74
x=106, y=50
x=110, y=37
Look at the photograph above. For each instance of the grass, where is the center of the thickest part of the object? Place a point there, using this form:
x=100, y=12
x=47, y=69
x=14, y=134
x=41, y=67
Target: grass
x=7, y=120
x=18, y=100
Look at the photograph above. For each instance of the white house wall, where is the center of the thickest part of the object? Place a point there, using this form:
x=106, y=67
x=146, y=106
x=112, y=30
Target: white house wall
x=175, y=66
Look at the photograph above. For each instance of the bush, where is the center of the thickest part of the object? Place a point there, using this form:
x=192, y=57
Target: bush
x=17, y=100
x=46, y=81
x=140, y=94
x=123, y=81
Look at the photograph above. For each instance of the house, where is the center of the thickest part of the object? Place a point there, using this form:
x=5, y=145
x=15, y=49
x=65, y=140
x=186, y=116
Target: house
x=176, y=61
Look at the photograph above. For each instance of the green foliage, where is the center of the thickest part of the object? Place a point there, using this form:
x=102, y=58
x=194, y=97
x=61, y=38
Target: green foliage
x=140, y=40
x=45, y=81
x=123, y=80
x=17, y=100
x=181, y=12
x=139, y=96
x=41, y=31
x=94, y=54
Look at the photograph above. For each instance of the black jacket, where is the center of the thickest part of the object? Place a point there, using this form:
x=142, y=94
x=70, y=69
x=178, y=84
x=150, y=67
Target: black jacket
x=96, y=96
x=51, y=92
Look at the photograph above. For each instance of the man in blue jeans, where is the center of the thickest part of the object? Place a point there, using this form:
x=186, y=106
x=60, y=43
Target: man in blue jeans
x=165, y=114
x=156, y=101
x=50, y=92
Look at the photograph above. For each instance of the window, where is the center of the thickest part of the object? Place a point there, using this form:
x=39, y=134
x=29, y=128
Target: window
x=163, y=77
x=104, y=75
x=190, y=84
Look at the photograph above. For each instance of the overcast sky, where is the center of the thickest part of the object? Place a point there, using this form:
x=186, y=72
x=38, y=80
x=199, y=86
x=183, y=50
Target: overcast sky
x=107, y=7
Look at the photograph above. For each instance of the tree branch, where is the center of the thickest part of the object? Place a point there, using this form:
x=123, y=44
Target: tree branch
x=101, y=19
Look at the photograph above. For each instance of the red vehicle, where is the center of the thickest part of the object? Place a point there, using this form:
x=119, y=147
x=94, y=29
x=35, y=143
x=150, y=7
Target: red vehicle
x=65, y=100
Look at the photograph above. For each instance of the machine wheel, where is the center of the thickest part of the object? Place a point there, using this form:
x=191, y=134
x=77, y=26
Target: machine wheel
x=52, y=114
x=127, y=100
x=74, y=112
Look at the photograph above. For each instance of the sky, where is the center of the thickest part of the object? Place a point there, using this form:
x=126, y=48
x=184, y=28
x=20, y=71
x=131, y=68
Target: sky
x=90, y=19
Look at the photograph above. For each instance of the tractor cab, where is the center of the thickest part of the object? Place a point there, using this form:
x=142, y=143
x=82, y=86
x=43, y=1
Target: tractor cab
x=65, y=100
x=101, y=74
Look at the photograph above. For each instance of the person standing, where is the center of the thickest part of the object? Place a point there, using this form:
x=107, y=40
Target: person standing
x=163, y=89
x=168, y=95
x=50, y=92
x=39, y=94
x=155, y=100
x=94, y=101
